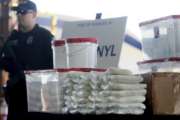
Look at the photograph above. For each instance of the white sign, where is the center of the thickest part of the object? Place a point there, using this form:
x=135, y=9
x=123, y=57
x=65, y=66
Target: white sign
x=110, y=34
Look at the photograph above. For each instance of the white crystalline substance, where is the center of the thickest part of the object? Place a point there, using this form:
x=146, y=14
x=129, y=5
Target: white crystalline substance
x=135, y=111
x=116, y=99
x=81, y=111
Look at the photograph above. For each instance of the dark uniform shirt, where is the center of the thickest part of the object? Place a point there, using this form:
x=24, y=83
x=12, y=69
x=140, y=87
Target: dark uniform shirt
x=32, y=50
x=27, y=51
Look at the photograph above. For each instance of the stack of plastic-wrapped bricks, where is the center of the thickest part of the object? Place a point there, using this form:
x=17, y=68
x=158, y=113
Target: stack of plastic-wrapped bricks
x=86, y=91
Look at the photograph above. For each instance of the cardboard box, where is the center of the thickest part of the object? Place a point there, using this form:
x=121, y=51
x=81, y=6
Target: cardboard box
x=163, y=95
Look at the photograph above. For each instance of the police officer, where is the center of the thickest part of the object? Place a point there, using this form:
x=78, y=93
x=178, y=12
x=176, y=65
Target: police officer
x=30, y=44
x=28, y=48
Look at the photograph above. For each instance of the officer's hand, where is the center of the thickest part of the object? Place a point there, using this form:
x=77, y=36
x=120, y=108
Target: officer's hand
x=4, y=77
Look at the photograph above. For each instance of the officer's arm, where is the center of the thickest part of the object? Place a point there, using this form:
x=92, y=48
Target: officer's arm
x=48, y=50
x=7, y=51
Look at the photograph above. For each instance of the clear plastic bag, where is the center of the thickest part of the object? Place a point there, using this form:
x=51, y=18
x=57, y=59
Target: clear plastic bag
x=43, y=91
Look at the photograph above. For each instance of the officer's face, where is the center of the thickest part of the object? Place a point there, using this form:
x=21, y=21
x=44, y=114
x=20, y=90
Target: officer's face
x=26, y=19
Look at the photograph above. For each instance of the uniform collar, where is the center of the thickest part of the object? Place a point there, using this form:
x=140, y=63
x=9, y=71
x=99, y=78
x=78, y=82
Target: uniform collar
x=35, y=27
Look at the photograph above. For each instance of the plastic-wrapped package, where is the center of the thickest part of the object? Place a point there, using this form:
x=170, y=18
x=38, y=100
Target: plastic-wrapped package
x=116, y=91
x=76, y=77
x=96, y=79
x=118, y=99
x=128, y=79
x=76, y=91
x=116, y=108
x=52, y=92
x=122, y=93
x=85, y=87
x=67, y=88
x=115, y=86
x=81, y=91
x=32, y=107
x=80, y=104
x=43, y=91
x=82, y=110
x=51, y=96
x=34, y=92
x=118, y=71
x=83, y=83
x=128, y=99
